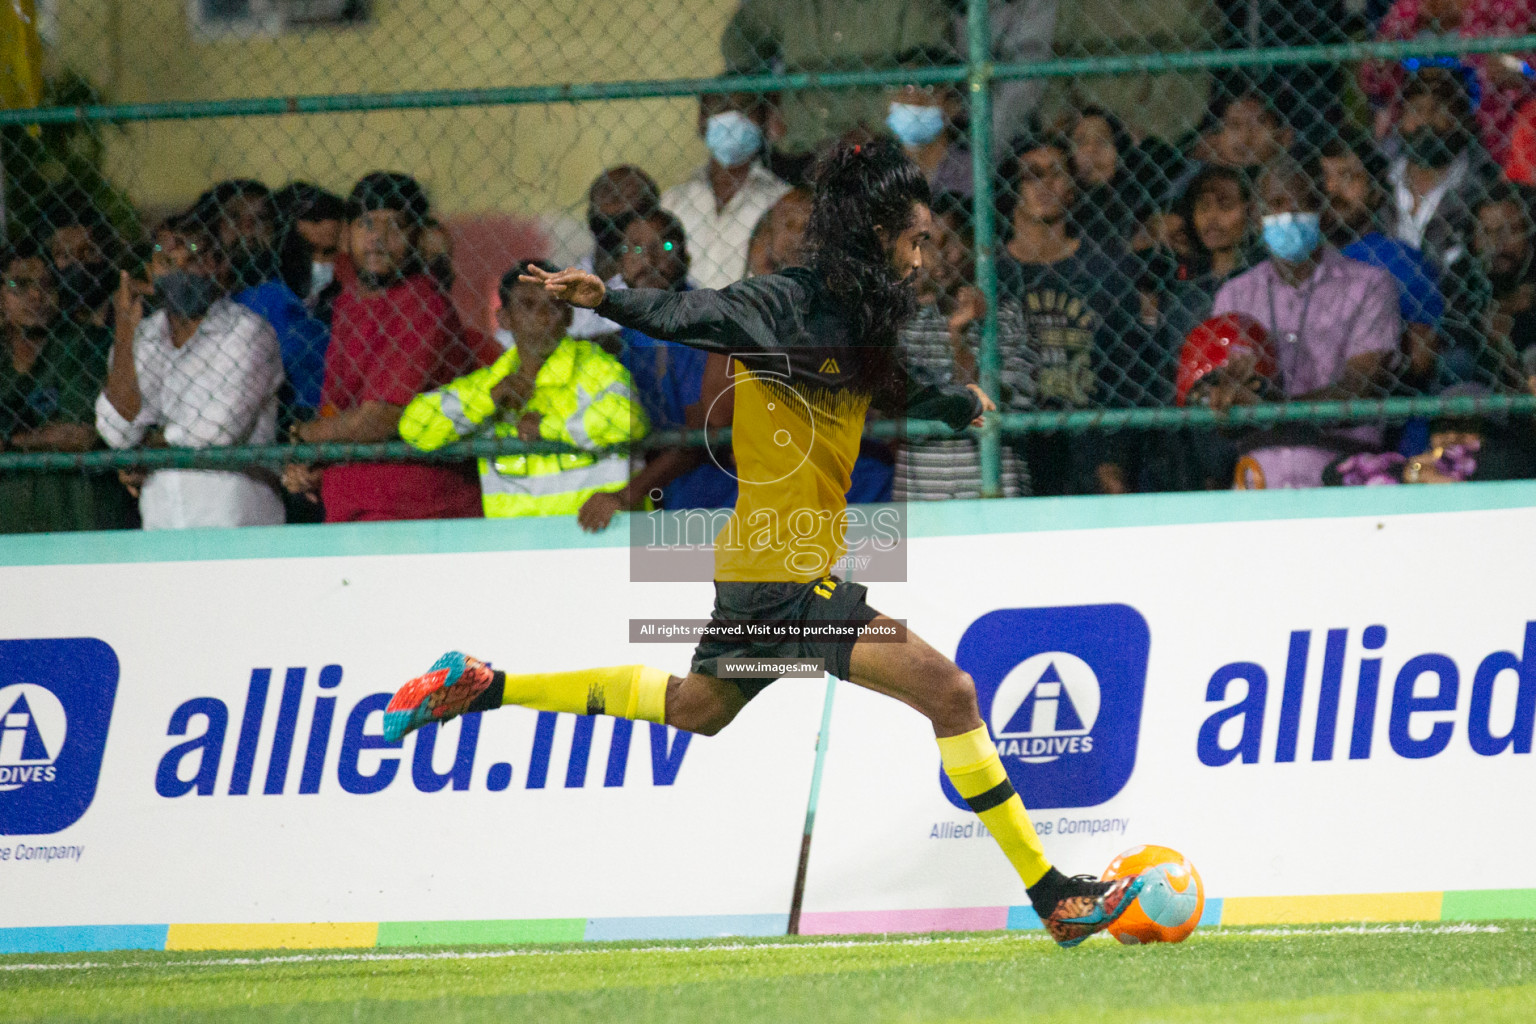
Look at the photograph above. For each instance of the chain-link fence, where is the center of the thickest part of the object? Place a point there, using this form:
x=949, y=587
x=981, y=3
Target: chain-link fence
x=1182, y=244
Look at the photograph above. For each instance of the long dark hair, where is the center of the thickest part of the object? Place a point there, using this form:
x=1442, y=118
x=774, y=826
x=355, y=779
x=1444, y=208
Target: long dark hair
x=858, y=188
x=1208, y=177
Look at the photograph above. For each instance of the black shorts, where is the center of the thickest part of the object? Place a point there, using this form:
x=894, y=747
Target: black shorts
x=825, y=600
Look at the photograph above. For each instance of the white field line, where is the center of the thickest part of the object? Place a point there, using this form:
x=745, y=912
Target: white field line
x=1208, y=935
x=1357, y=929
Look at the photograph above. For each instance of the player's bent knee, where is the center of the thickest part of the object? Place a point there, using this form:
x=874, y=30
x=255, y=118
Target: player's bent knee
x=954, y=699
x=714, y=724
x=706, y=721
x=698, y=709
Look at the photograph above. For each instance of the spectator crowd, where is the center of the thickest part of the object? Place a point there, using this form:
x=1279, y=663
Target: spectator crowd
x=1286, y=249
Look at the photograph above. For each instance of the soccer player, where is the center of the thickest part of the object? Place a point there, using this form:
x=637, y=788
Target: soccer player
x=833, y=326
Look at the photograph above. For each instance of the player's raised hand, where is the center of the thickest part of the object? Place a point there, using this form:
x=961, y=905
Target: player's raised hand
x=572, y=285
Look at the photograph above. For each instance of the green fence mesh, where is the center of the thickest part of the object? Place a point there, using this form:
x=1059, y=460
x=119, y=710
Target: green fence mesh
x=1126, y=199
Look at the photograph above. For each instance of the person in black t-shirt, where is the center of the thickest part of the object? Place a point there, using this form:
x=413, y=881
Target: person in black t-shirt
x=1083, y=345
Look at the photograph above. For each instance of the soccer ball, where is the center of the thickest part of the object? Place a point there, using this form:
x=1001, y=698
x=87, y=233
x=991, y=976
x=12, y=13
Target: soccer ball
x=1171, y=901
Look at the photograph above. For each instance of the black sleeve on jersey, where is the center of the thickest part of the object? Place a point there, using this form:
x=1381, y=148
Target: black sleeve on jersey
x=758, y=314
x=929, y=398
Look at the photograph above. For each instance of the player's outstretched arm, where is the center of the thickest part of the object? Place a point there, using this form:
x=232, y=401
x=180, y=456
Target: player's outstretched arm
x=757, y=314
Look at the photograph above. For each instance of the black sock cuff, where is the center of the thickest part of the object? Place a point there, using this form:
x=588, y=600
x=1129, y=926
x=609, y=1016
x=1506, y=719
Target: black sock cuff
x=490, y=700
x=1046, y=893
x=994, y=797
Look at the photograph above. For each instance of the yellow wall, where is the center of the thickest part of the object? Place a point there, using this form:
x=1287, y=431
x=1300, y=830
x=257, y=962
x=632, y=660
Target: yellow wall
x=1164, y=105
x=510, y=159
x=515, y=159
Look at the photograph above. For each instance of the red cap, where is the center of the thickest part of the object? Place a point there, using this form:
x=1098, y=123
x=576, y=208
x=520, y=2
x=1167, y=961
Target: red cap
x=1212, y=343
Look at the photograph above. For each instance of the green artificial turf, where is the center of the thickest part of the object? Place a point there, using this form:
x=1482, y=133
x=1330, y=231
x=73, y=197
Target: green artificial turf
x=1317, y=975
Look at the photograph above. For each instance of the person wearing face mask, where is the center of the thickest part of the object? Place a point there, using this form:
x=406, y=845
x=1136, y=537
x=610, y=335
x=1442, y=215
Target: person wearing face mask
x=722, y=201
x=921, y=116
x=310, y=224
x=201, y=371
x=247, y=224
x=82, y=246
x=765, y=36
x=1437, y=169
x=244, y=218
x=51, y=370
x=1334, y=323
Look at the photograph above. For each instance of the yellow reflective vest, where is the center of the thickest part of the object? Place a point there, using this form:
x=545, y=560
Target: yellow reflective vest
x=585, y=397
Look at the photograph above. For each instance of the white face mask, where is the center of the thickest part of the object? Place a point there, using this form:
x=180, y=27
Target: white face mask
x=320, y=277
x=504, y=338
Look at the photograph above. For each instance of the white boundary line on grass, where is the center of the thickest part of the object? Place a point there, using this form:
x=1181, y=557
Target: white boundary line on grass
x=729, y=947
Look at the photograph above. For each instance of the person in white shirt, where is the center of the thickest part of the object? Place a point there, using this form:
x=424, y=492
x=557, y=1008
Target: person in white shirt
x=201, y=371
x=1438, y=171
x=721, y=204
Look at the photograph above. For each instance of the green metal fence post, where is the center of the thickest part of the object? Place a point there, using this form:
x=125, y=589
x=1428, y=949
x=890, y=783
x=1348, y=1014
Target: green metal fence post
x=979, y=79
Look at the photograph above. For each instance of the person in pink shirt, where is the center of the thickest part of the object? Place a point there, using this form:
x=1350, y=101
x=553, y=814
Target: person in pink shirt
x=1504, y=85
x=1333, y=321
x=393, y=336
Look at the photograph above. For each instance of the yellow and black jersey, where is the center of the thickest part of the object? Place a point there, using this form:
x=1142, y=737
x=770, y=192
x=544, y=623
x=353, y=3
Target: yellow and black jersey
x=803, y=385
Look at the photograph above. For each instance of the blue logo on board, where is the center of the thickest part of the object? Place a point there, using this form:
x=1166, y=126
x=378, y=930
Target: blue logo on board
x=55, y=704
x=1061, y=691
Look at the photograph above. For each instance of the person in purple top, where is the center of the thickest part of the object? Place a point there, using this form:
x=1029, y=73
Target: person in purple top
x=1333, y=321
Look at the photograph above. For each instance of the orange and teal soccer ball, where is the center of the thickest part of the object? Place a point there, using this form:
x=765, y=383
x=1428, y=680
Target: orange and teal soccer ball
x=1171, y=901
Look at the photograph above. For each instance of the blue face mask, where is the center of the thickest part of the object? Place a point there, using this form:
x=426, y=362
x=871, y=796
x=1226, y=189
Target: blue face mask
x=913, y=125
x=1291, y=236
x=733, y=138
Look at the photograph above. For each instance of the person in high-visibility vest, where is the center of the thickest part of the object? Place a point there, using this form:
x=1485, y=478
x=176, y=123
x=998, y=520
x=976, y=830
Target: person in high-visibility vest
x=547, y=386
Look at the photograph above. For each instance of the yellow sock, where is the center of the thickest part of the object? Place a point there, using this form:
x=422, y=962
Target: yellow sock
x=624, y=691
x=971, y=762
